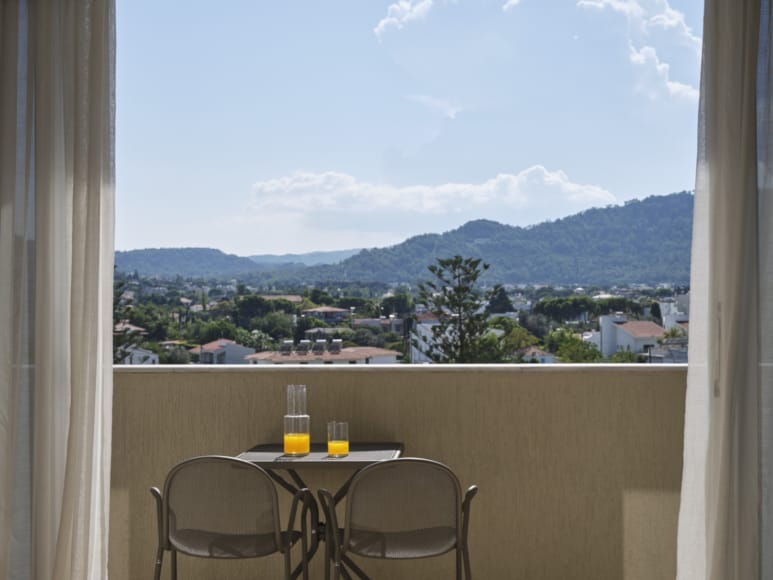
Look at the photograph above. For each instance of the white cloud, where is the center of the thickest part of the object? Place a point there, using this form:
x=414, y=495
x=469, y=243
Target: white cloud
x=448, y=110
x=670, y=19
x=631, y=8
x=510, y=4
x=333, y=203
x=401, y=12
x=647, y=16
x=657, y=75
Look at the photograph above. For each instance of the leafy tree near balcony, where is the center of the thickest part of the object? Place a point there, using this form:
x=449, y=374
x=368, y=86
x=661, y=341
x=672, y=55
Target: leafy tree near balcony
x=515, y=340
x=456, y=301
x=673, y=332
x=570, y=348
x=626, y=356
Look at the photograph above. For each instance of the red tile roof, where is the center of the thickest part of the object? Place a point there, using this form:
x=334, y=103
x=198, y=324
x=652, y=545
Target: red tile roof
x=326, y=309
x=124, y=326
x=294, y=298
x=213, y=346
x=643, y=329
x=426, y=317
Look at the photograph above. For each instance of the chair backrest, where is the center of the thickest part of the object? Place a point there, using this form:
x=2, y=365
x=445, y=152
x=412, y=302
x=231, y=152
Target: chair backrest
x=221, y=507
x=403, y=508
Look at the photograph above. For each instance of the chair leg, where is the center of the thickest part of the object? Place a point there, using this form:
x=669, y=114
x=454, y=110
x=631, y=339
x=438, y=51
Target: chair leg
x=458, y=563
x=288, y=572
x=304, y=553
x=174, y=564
x=159, y=562
x=328, y=551
x=467, y=567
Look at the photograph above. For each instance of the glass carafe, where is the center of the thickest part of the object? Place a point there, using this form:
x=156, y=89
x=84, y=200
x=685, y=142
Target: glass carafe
x=296, y=422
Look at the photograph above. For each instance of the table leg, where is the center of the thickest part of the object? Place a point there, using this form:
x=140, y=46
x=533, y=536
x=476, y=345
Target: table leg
x=311, y=509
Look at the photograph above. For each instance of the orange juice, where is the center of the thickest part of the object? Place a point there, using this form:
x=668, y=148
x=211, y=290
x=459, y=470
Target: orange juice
x=296, y=444
x=337, y=448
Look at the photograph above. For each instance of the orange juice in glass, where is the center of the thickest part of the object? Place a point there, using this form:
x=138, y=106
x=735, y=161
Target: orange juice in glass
x=337, y=439
x=296, y=435
x=297, y=443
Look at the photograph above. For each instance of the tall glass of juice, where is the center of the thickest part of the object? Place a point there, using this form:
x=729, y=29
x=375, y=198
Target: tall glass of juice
x=296, y=422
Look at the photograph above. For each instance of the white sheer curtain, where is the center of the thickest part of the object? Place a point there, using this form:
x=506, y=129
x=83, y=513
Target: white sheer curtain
x=724, y=516
x=57, y=110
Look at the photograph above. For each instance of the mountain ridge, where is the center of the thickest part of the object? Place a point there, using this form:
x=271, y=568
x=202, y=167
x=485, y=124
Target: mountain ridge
x=640, y=241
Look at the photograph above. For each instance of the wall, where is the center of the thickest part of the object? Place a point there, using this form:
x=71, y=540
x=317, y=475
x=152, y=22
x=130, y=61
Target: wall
x=579, y=466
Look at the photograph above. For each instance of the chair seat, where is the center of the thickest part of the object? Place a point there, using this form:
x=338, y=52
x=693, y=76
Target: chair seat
x=208, y=544
x=403, y=544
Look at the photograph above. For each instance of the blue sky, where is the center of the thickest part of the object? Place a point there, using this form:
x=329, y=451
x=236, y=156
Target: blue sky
x=286, y=126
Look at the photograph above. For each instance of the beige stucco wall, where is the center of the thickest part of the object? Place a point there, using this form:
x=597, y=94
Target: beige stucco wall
x=578, y=466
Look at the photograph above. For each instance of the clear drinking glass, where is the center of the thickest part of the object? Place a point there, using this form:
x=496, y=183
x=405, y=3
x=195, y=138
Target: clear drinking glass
x=297, y=422
x=297, y=440
x=337, y=439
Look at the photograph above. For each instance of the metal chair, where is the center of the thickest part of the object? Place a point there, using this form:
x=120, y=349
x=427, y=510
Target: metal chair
x=223, y=507
x=399, y=509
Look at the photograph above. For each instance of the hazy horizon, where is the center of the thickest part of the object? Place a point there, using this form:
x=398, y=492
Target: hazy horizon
x=357, y=249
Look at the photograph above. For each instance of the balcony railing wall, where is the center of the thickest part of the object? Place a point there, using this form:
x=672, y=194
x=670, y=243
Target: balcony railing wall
x=578, y=466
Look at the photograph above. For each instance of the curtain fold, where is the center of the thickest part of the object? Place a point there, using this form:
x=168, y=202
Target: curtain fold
x=57, y=112
x=721, y=524
x=765, y=220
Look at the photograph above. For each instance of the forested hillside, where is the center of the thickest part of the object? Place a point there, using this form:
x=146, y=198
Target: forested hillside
x=646, y=241
x=642, y=241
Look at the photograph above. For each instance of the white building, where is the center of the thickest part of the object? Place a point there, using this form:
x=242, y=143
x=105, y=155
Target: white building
x=421, y=338
x=538, y=355
x=222, y=352
x=673, y=314
x=620, y=334
x=140, y=356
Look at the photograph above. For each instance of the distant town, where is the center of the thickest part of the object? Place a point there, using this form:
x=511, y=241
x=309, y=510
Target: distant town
x=194, y=321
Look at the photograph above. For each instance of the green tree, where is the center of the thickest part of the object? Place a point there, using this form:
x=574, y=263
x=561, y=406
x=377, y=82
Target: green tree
x=261, y=341
x=655, y=312
x=499, y=302
x=176, y=355
x=249, y=307
x=218, y=329
x=122, y=340
x=671, y=333
x=626, y=356
x=455, y=300
x=318, y=296
x=277, y=325
x=515, y=340
x=563, y=309
x=400, y=304
x=570, y=348
x=306, y=323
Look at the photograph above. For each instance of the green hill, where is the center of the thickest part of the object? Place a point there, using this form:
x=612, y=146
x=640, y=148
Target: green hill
x=643, y=241
x=186, y=262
